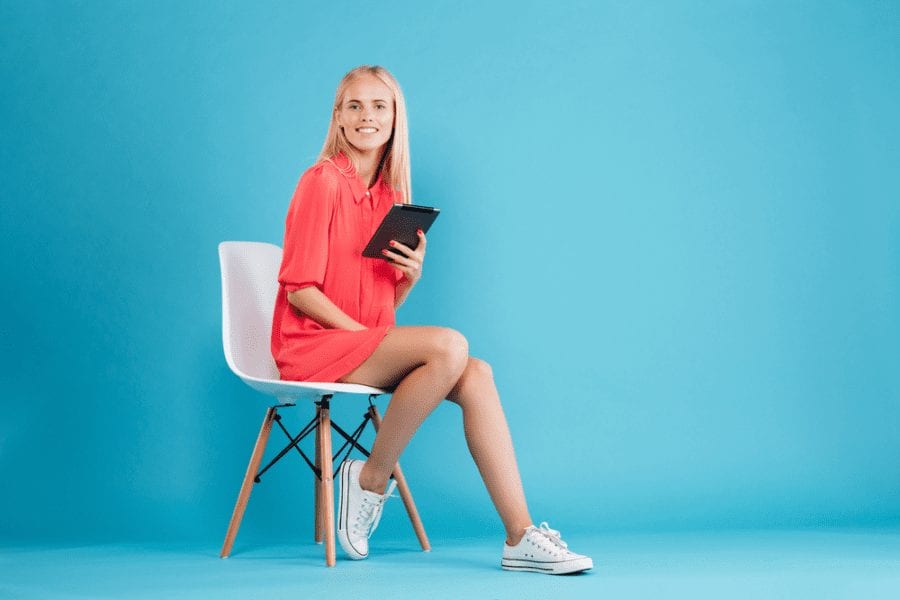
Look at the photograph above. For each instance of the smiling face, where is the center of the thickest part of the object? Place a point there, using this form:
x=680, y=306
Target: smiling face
x=366, y=114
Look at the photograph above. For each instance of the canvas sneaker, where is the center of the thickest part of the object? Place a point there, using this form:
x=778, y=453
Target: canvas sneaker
x=359, y=510
x=542, y=550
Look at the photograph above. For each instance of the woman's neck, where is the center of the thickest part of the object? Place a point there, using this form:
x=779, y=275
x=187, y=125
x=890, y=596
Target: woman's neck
x=367, y=166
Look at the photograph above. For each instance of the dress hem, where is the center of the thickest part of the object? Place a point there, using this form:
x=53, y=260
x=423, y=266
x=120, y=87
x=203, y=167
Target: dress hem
x=333, y=372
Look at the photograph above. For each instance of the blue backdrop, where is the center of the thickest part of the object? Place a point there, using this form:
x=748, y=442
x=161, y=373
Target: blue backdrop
x=671, y=227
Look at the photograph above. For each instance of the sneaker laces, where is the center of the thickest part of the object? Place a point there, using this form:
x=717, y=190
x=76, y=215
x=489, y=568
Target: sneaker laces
x=551, y=534
x=387, y=494
x=370, y=511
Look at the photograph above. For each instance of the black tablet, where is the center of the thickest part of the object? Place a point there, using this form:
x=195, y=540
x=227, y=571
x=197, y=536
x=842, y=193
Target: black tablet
x=401, y=224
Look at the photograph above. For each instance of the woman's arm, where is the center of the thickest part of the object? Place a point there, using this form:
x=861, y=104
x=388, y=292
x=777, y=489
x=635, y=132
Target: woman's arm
x=401, y=292
x=317, y=306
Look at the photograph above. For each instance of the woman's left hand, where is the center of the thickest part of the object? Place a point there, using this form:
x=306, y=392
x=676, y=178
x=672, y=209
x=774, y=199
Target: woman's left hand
x=407, y=260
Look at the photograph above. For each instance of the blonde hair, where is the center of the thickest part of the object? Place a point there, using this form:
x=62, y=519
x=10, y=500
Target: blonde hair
x=394, y=167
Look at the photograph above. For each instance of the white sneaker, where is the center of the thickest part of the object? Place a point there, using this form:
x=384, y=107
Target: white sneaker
x=542, y=550
x=359, y=510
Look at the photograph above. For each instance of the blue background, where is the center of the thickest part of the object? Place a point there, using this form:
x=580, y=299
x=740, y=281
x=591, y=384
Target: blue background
x=671, y=227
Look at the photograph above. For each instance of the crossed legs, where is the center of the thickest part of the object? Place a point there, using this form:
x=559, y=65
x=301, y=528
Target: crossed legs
x=428, y=365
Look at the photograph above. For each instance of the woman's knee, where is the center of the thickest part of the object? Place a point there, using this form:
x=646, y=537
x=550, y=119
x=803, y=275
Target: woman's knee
x=477, y=376
x=478, y=369
x=472, y=384
x=452, y=347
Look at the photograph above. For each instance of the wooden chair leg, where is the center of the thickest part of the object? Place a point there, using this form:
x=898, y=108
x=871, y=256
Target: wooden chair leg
x=405, y=494
x=247, y=486
x=319, y=527
x=326, y=496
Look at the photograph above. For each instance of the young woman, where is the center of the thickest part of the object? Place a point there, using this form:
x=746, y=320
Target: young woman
x=334, y=321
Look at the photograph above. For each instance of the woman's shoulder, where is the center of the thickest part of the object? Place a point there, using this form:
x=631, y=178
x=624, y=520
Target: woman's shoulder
x=324, y=173
x=320, y=184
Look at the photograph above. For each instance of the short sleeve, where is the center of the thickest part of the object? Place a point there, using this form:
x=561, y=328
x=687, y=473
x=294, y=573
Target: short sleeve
x=306, y=230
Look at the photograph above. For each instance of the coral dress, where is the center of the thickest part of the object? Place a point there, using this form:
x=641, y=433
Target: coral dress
x=331, y=218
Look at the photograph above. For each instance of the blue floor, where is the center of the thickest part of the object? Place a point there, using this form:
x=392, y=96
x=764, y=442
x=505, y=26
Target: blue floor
x=837, y=563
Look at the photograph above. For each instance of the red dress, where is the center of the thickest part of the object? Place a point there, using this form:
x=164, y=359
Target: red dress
x=331, y=218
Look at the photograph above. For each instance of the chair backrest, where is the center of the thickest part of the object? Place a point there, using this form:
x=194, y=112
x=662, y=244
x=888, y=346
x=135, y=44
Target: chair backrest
x=249, y=288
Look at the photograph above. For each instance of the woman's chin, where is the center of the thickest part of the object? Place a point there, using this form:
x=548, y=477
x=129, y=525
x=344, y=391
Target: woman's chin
x=367, y=147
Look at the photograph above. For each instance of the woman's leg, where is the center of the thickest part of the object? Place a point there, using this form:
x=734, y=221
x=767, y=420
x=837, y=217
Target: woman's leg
x=424, y=363
x=429, y=364
x=490, y=444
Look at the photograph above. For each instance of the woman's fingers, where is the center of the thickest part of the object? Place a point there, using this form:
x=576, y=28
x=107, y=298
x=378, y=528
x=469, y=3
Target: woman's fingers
x=406, y=250
x=405, y=259
x=401, y=248
x=422, y=241
x=399, y=259
x=410, y=266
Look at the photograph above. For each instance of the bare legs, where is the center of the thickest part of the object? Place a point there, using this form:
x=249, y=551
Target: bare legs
x=490, y=444
x=429, y=364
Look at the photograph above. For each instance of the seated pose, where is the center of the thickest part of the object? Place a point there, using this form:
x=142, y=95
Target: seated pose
x=334, y=321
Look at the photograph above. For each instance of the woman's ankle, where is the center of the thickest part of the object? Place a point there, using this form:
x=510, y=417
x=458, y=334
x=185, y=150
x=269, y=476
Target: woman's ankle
x=371, y=483
x=515, y=536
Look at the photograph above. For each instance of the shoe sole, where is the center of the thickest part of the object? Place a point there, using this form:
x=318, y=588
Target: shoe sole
x=550, y=568
x=342, y=518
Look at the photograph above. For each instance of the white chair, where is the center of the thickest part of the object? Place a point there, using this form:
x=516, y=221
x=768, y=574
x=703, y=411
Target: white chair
x=249, y=288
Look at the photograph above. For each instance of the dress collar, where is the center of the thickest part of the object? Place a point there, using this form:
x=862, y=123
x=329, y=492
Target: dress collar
x=346, y=168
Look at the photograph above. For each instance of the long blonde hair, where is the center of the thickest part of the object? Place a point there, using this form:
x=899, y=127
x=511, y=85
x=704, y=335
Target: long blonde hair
x=395, y=161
